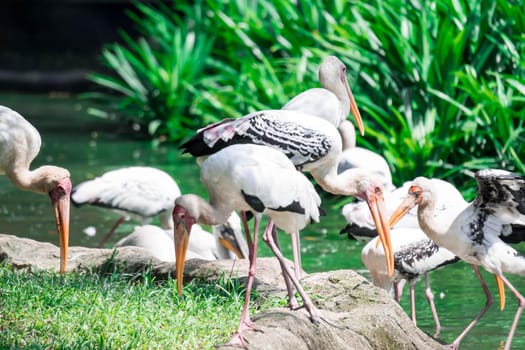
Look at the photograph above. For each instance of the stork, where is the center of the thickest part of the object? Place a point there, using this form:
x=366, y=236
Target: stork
x=477, y=232
x=19, y=145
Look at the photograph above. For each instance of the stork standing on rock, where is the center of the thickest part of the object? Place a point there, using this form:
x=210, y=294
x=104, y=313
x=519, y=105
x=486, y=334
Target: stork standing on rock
x=19, y=145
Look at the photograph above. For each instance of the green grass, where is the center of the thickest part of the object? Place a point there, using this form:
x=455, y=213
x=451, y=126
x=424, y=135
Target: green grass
x=44, y=310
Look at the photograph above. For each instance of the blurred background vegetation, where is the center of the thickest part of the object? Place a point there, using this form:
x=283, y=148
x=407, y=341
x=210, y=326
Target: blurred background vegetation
x=440, y=84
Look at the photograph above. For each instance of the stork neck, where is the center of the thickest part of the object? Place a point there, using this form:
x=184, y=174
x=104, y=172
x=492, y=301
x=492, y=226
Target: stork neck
x=26, y=179
x=347, y=132
x=206, y=213
x=436, y=224
x=348, y=183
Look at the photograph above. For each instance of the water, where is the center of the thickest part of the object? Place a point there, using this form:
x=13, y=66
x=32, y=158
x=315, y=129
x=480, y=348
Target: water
x=89, y=147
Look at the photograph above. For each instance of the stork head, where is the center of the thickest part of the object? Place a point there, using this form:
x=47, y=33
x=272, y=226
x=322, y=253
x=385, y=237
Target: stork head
x=59, y=189
x=332, y=75
x=417, y=192
x=371, y=190
x=182, y=224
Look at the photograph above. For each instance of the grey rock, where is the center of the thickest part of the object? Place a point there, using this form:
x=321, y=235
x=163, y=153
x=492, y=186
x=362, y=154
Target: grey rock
x=354, y=314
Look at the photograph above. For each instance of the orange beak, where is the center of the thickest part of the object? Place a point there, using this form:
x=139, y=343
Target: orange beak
x=182, y=223
x=181, y=237
x=376, y=204
x=354, y=110
x=61, y=203
x=501, y=291
x=409, y=202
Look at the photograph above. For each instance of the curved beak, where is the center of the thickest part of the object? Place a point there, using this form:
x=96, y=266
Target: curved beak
x=376, y=204
x=233, y=240
x=409, y=202
x=60, y=200
x=181, y=238
x=354, y=110
x=501, y=291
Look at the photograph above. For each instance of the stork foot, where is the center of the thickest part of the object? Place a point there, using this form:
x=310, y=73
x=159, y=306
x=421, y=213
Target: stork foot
x=237, y=340
x=453, y=346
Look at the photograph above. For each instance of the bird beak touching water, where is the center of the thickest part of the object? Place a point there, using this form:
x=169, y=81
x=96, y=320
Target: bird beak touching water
x=376, y=204
x=181, y=235
x=60, y=200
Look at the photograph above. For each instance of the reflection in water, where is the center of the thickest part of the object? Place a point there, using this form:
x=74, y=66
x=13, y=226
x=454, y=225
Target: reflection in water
x=90, y=147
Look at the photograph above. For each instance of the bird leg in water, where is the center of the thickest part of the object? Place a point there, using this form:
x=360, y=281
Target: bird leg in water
x=430, y=299
x=268, y=239
x=488, y=304
x=111, y=231
x=412, y=302
x=521, y=305
x=245, y=323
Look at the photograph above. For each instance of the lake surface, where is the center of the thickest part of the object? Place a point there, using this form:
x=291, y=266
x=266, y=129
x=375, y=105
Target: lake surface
x=88, y=147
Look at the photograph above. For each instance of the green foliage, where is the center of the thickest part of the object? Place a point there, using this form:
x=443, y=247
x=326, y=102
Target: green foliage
x=411, y=57
x=116, y=311
x=440, y=83
x=150, y=87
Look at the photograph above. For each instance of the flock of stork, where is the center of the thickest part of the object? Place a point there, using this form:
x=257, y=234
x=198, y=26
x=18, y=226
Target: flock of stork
x=253, y=165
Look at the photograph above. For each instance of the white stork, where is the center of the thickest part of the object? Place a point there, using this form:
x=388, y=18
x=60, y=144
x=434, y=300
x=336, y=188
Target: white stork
x=333, y=101
x=414, y=255
x=260, y=180
x=359, y=157
x=477, y=232
x=19, y=145
x=202, y=245
x=361, y=226
x=133, y=192
x=311, y=143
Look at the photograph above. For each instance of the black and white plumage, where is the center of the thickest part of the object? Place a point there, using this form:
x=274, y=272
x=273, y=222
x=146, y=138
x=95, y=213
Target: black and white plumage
x=133, y=192
x=414, y=255
x=311, y=143
x=202, y=245
x=250, y=178
x=477, y=232
x=19, y=145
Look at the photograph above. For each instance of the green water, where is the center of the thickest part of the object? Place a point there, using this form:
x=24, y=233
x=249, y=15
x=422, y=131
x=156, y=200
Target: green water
x=89, y=147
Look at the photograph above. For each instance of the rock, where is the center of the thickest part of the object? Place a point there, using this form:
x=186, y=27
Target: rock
x=24, y=253
x=354, y=314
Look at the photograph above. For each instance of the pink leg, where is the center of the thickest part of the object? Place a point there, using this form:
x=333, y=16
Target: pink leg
x=245, y=322
x=488, y=304
x=292, y=301
x=267, y=237
x=412, y=301
x=296, y=249
x=430, y=299
x=111, y=231
x=521, y=305
x=398, y=289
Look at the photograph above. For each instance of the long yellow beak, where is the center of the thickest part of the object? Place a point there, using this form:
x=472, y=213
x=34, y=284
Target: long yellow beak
x=61, y=204
x=404, y=207
x=501, y=291
x=376, y=204
x=181, y=237
x=231, y=246
x=354, y=110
